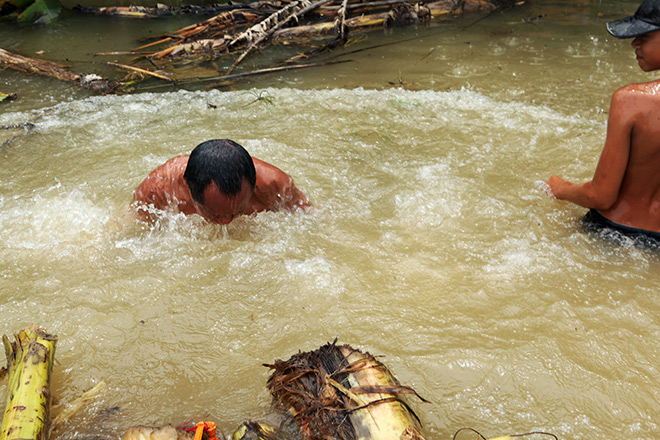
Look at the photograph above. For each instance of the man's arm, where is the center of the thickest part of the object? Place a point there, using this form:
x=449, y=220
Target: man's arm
x=602, y=191
x=274, y=190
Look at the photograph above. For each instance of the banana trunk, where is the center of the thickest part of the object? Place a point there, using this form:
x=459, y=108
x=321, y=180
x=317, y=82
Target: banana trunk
x=341, y=393
x=30, y=364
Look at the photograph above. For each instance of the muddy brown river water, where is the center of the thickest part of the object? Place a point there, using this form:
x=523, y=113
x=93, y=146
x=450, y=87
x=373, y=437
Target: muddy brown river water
x=431, y=241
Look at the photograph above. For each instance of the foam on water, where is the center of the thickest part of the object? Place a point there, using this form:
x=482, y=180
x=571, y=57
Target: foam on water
x=60, y=223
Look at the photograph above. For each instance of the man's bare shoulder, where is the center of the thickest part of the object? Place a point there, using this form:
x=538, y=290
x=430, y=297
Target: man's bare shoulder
x=164, y=185
x=274, y=189
x=635, y=103
x=644, y=90
x=269, y=177
x=175, y=163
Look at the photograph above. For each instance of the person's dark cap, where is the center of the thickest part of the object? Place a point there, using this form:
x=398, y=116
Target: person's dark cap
x=646, y=19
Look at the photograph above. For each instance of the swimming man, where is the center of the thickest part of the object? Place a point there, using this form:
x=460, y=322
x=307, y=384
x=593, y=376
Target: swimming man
x=624, y=193
x=219, y=180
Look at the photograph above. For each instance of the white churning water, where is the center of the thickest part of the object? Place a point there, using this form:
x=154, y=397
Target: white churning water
x=431, y=241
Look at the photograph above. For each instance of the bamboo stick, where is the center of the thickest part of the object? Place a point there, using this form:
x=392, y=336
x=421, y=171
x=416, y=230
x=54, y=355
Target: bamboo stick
x=143, y=71
x=340, y=21
x=30, y=364
x=273, y=21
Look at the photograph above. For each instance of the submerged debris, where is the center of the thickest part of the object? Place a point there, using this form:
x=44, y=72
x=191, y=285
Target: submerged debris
x=160, y=10
x=7, y=96
x=474, y=432
x=9, y=133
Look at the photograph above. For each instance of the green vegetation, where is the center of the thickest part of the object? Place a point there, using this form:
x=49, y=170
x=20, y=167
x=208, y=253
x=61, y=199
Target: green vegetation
x=29, y=11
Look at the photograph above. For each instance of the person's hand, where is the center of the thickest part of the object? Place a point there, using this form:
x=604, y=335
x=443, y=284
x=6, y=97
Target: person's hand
x=553, y=185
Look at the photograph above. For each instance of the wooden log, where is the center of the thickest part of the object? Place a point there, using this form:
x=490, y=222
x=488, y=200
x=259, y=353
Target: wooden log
x=48, y=68
x=30, y=364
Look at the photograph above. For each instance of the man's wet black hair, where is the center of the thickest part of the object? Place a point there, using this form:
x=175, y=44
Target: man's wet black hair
x=222, y=161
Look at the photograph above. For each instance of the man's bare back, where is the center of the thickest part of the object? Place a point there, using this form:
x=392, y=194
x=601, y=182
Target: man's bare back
x=638, y=200
x=625, y=188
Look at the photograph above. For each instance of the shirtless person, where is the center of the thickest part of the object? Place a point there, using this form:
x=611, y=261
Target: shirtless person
x=624, y=193
x=219, y=180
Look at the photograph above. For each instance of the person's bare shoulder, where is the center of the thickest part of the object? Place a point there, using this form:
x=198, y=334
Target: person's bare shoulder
x=634, y=103
x=159, y=187
x=275, y=189
x=636, y=93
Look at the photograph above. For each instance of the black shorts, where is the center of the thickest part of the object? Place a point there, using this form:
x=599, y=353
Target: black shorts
x=593, y=221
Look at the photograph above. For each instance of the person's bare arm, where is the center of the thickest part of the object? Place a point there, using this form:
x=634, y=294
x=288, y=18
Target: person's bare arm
x=602, y=191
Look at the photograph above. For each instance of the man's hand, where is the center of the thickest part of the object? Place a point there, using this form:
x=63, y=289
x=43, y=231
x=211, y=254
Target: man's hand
x=554, y=183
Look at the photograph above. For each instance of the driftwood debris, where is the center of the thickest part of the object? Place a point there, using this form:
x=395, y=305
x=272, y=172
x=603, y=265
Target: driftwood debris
x=212, y=37
x=213, y=48
x=296, y=22
x=51, y=69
